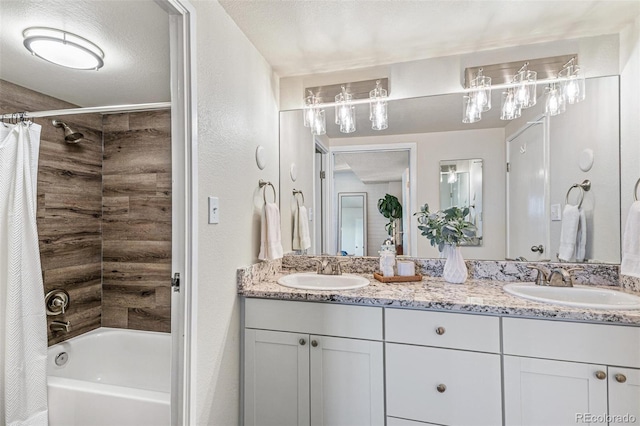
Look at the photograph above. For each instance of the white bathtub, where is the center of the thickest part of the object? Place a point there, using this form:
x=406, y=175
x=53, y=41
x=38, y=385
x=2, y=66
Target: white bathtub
x=112, y=377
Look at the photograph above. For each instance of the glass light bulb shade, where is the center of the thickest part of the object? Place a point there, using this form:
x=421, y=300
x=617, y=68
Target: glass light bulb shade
x=470, y=111
x=319, y=126
x=555, y=101
x=452, y=177
x=63, y=48
x=526, y=90
x=510, y=109
x=308, y=112
x=482, y=92
x=343, y=102
x=348, y=119
x=573, y=88
x=378, y=115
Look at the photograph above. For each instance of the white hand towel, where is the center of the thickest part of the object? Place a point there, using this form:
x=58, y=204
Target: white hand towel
x=631, y=243
x=581, y=238
x=270, y=235
x=569, y=232
x=303, y=228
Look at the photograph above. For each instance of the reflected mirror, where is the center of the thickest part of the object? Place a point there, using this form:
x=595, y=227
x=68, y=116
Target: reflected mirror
x=528, y=166
x=352, y=223
x=461, y=186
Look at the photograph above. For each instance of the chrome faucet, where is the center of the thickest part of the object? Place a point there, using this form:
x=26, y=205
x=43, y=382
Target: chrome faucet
x=326, y=267
x=557, y=277
x=56, y=326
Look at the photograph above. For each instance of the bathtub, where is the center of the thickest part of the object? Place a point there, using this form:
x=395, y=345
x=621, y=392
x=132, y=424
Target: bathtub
x=111, y=377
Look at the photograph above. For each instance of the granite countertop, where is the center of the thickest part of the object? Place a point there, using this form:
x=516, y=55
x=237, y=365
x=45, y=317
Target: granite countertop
x=433, y=293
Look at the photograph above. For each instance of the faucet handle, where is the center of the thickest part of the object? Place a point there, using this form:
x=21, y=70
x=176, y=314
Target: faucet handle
x=543, y=274
x=339, y=263
x=320, y=265
x=571, y=275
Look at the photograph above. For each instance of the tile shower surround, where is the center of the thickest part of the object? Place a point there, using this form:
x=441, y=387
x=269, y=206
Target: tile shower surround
x=70, y=222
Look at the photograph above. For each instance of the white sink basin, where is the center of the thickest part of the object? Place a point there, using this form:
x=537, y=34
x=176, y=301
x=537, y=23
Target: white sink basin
x=580, y=297
x=313, y=281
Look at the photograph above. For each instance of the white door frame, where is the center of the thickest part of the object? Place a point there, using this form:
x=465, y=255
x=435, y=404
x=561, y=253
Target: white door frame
x=330, y=233
x=184, y=159
x=321, y=215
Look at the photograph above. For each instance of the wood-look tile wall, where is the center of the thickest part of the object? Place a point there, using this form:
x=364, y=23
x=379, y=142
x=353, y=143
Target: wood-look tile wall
x=69, y=214
x=136, y=228
x=111, y=251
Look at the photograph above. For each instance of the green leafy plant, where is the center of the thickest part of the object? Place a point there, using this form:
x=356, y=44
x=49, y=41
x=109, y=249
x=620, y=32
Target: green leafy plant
x=446, y=226
x=390, y=207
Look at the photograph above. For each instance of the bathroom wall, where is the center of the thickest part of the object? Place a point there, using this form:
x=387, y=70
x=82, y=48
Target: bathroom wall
x=136, y=227
x=488, y=144
x=69, y=207
x=237, y=111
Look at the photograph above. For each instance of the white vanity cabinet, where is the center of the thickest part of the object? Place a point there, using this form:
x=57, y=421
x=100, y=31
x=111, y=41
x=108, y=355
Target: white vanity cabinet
x=564, y=373
x=442, y=368
x=312, y=364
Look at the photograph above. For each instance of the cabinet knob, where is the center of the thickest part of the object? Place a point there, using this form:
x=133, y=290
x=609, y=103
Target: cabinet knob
x=302, y=342
x=441, y=388
x=314, y=343
x=440, y=331
x=620, y=378
x=601, y=375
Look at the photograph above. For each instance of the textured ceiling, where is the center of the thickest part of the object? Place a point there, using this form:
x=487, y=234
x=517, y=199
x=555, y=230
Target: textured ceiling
x=366, y=165
x=133, y=34
x=304, y=37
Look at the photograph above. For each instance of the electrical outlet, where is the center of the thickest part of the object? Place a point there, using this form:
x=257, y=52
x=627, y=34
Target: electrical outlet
x=556, y=212
x=214, y=210
x=310, y=214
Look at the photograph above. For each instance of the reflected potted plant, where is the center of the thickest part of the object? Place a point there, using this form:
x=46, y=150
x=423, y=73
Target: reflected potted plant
x=447, y=229
x=390, y=208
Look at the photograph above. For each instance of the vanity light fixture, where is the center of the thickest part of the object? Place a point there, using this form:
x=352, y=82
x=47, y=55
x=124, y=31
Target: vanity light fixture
x=482, y=92
x=555, y=101
x=63, y=48
x=345, y=112
x=378, y=108
x=526, y=86
x=510, y=107
x=470, y=111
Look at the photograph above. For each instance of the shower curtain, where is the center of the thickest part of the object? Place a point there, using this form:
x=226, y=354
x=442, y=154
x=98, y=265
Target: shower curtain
x=23, y=329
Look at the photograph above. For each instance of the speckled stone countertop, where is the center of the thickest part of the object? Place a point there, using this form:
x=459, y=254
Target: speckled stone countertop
x=432, y=293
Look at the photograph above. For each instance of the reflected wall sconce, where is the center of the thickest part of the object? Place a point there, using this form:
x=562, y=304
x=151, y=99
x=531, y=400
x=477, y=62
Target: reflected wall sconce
x=563, y=76
x=344, y=97
x=63, y=48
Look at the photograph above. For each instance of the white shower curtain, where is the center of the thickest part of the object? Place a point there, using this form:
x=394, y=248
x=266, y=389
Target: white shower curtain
x=23, y=327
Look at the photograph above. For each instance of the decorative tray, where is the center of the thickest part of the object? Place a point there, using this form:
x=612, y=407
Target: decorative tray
x=396, y=278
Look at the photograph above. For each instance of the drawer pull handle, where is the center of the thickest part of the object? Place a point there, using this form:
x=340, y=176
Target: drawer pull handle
x=302, y=342
x=620, y=378
x=441, y=388
x=601, y=375
x=440, y=331
x=314, y=343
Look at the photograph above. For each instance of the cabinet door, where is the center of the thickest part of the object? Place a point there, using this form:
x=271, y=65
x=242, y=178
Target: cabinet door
x=443, y=386
x=624, y=395
x=347, y=382
x=544, y=392
x=276, y=382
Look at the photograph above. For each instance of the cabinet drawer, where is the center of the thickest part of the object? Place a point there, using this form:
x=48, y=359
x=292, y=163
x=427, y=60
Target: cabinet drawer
x=314, y=318
x=591, y=343
x=456, y=331
x=414, y=374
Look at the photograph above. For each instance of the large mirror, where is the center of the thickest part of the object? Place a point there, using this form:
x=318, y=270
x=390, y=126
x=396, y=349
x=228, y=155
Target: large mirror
x=352, y=223
x=528, y=166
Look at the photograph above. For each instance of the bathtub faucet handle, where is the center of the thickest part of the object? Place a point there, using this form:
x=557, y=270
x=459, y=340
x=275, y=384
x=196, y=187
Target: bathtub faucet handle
x=60, y=326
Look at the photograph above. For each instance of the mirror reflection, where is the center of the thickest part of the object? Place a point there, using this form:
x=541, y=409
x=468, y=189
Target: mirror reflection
x=352, y=223
x=461, y=186
x=528, y=166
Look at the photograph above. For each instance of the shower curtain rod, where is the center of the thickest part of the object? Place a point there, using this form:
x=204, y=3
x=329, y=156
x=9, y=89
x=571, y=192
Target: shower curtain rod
x=87, y=110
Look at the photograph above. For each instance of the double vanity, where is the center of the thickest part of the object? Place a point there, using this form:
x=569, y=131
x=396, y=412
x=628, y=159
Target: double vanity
x=435, y=353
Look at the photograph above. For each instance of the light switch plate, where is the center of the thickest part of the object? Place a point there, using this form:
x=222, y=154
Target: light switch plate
x=556, y=212
x=214, y=210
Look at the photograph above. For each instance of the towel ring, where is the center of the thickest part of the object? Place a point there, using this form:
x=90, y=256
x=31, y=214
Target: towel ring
x=261, y=184
x=584, y=186
x=296, y=192
x=635, y=190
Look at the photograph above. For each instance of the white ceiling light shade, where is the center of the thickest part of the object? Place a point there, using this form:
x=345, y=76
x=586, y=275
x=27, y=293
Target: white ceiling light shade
x=63, y=48
x=378, y=108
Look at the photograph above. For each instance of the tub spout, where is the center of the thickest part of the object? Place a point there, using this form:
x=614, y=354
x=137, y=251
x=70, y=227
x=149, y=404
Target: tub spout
x=60, y=326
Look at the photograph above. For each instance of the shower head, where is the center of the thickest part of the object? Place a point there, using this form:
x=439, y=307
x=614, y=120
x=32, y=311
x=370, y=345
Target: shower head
x=69, y=135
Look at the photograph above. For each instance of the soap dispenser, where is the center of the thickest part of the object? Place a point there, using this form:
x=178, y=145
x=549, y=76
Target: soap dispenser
x=387, y=258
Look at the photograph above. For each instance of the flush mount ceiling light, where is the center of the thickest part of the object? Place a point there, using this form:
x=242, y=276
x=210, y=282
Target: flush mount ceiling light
x=63, y=48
